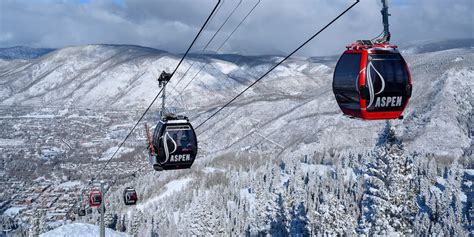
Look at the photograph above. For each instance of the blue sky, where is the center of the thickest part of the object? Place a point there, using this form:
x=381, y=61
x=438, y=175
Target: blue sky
x=275, y=27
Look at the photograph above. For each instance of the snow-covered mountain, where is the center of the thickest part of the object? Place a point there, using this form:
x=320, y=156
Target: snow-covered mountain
x=124, y=76
x=296, y=99
x=21, y=52
x=282, y=159
x=437, y=45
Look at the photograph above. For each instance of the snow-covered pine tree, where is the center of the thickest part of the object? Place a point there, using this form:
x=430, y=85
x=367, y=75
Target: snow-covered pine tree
x=299, y=224
x=121, y=226
x=388, y=201
x=278, y=225
x=258, y=217
x=136, y=222
x=401, y=187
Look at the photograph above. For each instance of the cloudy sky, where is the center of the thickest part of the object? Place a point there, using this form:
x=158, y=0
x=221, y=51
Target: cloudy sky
x=275, y=27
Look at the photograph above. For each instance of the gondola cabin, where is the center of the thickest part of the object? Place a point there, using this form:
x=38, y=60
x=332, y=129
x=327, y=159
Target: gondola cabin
x=372, y=81
x=173, y=144
x=130, y=196
x=81, y=211
x=95, y=198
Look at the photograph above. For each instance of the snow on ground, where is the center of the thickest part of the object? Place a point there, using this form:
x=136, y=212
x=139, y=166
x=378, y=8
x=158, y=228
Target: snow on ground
x=209, y=170
x=469, y=171
x=441, y=181
x=12, y=211
x=171, y=187
x=39, y=116
x=463, y=197
x=82, y=230
x=436, y=189
x=350, y=175
x=319, y=68
x=245, y=193
x=175, y=186
x=322, y=170
x=11, y=142
x=70, y=184
x=225, y=67
x=107, y=154
x=283, y=180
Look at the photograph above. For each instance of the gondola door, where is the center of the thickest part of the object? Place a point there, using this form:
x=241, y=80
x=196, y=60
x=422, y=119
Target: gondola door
x=385, y=86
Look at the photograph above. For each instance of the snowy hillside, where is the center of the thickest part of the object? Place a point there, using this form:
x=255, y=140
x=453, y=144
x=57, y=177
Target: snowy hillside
x=280, y=160
x=124, y=76
x=81, y=230
x=437, y=45
x=287, y=102
x=21, y=52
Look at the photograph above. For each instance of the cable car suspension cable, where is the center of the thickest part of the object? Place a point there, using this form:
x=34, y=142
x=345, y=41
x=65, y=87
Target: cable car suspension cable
x=212, y=17
x=209, y=42
x=156, y=97
x=279, y=63
x=219, y=48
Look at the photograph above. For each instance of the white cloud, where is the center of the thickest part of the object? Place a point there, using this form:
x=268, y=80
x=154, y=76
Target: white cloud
x=277, y=26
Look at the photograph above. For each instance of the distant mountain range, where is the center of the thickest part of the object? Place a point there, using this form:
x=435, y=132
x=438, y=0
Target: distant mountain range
x=280, y=159
x=437, y=45
x=22, y=52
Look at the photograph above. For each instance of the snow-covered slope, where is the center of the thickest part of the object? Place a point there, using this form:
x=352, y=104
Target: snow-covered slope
x=81, y=230
x=283, y=149
x=21, y=52
x=292, y=111
x=284, y=110
x=124, y=76
x=263, y=155
x=437, y=45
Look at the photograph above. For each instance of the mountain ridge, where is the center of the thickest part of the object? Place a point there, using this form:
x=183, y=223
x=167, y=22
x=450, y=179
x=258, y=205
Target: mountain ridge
x=282, y=159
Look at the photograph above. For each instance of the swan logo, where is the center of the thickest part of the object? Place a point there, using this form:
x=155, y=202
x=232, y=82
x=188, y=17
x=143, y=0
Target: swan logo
x=391, y=101
x=166, y=148
x=169, y=154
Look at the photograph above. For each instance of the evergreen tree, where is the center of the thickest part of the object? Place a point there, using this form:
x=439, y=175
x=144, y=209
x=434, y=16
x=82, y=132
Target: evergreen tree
x=299, y=222
x=388, y=201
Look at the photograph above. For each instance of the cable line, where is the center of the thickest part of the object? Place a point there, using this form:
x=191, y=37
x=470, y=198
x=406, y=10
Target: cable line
x=209, y=42
x=240, y=23
x=279, y=63
x=219, y=48
x=212, y=17
x=222, y=25
x=156, y=97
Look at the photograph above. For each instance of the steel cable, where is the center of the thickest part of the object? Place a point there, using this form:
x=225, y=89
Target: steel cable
x=279, y=63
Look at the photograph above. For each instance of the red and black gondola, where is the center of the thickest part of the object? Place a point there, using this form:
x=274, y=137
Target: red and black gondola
x=372, y=81
x=130, y=196
x=95, y=198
